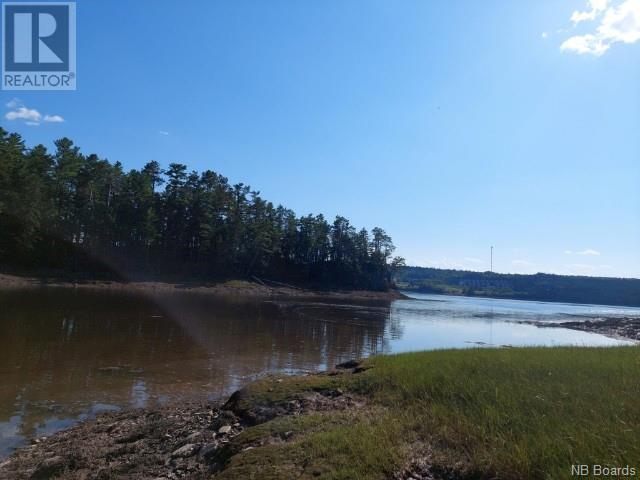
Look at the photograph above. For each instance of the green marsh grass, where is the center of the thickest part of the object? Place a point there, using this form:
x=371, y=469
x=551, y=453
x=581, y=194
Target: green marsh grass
x=481, y=413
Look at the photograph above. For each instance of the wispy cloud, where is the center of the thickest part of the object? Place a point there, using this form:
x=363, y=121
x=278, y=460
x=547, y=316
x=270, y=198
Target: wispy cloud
x=477, y=261
x=163, y=132
x=587, y=252
x=596, y=8
x=619, y=23
x=522, y=263
x=53, y=118
x=30, y=116
x=14, y=103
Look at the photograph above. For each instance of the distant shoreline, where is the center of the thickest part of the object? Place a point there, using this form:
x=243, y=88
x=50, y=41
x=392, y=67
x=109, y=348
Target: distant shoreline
x=540, y=287
x=227, y=288
x=522, y=298
x=407, y=292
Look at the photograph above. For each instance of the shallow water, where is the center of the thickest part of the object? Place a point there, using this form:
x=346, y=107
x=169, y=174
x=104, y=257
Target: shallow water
x=67, y=355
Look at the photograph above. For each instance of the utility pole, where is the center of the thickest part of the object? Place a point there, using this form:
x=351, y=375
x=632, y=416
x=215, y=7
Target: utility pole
x=491, y=269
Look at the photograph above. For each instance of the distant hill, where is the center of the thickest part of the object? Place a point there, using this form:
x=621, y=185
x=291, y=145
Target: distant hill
x=541, y=286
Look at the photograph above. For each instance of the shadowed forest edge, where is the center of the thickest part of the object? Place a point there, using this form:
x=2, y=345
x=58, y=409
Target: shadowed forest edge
x=82, y=216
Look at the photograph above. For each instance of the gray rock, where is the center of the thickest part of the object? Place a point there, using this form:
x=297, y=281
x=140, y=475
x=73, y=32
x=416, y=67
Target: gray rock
x=208, y=451
x=224, y=429
x=186, y=450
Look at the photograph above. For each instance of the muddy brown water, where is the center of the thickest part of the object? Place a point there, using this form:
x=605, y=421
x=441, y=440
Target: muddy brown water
x=67, y=355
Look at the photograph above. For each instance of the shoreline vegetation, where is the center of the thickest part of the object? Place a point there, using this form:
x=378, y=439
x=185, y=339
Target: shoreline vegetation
x=241, y=288
x=541, y=287
x=520, y=413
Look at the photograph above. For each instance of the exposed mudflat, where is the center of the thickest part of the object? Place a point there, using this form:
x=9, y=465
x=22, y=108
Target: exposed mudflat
x=230, y=288
x=627, y=328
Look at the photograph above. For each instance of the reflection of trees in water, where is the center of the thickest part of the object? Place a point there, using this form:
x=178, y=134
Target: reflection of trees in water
x=246, y=337
x=63, y=350
x=395, y=330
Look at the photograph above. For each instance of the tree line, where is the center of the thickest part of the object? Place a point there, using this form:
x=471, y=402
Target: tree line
x=539, y=287
x=79, y=213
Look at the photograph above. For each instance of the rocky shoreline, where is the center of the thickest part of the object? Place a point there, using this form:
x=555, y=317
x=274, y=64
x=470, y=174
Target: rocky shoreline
x=180, y=441
x=238, y=288
x=170, y=442
x=623, y=328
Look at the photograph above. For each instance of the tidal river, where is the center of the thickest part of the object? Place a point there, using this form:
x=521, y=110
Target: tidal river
x=67, y=355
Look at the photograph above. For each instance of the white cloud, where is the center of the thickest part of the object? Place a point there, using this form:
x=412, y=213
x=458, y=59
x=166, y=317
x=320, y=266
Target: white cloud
x=545, y=34
x=24, y=113
x=586, y=251
x=622, y=24
x=30, y=116
x=13, y=103
x=163, y=132
x=53, y=118
x=618, y=24
x=522, y=263
x=585, y=44
x=597, y=7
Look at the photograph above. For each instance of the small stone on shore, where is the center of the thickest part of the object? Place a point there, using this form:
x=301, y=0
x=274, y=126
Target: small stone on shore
x=186, y=450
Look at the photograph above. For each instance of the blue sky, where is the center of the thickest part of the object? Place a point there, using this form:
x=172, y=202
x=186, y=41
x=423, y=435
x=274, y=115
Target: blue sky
x=454, y=125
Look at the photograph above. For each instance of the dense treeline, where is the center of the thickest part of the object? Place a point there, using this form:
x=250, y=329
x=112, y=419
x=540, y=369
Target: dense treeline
x=74, y=212
x=541, y=286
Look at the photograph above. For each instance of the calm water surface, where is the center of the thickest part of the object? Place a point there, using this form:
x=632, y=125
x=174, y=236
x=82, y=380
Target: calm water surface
x=66, y=355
